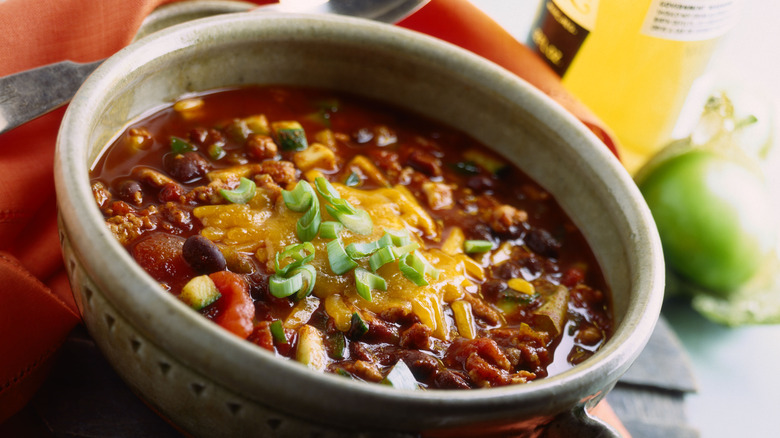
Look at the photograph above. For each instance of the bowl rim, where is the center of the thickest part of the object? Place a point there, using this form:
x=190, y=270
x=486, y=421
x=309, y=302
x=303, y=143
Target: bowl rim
x=82, y=217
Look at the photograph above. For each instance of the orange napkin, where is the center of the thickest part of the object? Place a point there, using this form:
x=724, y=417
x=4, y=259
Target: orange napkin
x=37, y=310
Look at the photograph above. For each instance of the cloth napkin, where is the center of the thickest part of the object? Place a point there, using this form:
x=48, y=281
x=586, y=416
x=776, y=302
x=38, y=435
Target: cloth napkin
x=37, y=310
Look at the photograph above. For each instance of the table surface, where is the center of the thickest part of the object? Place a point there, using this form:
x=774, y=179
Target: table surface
x=735, y=368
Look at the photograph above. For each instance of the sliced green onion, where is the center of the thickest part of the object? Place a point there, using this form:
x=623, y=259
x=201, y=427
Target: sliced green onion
x=400, y=251
x=330, y=229
x=415, y=267
x=241, y=194
x=300, y=254
x=365, y=281
x=282, y=287
x=304, y=198
x=340, y=262
x=355, y=220
x=352, y=180
x=471, y=246
x=358, y=221
x=399, y=237
x=309, y=224
x=277, y=331
x=358, y=326
x=326, y=189
x=180, y=145
x=300, y=198
x=385, y=240
x=309, y=277
x=360, y=250
x=381, y=257
x=401, y=377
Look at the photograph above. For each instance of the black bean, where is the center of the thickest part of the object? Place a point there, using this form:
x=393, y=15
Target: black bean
x=203, y=255
x=542, y=242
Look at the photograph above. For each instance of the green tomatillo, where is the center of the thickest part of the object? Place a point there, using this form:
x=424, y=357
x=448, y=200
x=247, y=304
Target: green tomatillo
x=712, y=206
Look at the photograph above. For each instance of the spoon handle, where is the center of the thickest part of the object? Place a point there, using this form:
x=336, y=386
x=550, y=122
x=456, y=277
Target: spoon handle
x=33, y=93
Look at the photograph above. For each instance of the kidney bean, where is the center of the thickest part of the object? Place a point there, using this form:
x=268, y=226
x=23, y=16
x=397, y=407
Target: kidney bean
x=203, y=255
x=131, y=191
x=187, y=167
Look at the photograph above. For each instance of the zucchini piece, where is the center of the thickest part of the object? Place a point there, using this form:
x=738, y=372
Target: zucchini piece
x=311, y=348
x=289, y=135
x=358, y=326
x=199, y=292
x=484, y=161
x=401, y=377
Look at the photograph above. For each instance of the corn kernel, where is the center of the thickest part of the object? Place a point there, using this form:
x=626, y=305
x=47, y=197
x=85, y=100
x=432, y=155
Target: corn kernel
x=521, y=285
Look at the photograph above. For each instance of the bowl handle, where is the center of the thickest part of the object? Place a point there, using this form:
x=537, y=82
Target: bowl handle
x=578, y=422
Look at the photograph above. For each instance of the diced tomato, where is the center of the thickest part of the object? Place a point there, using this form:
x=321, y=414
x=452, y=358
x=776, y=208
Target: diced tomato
x=572, y=277
x=236, y=309
x=160, y=255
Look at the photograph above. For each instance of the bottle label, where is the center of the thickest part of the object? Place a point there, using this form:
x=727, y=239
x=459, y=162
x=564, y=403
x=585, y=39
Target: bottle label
x=560, y=30
x=689, y=20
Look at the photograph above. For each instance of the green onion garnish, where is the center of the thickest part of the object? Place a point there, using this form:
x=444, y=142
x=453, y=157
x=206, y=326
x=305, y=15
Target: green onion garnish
x=340, y=262
x=300, y=197
x=359, y=221
x=277, y=331
x=180, y=146
x=330, y=229
x=381, y=257
x=360, y=250
x=400, y=251
x=353, y=219
x=304, y=198
x=471, y=246
x=415, y=267
x=297, y=277
x=326, y=189
x=299, y=281
x=365, y=281
x=309, y=278
x=309, y=224
x=399, y=237
x=300, y=254
x=281, y=287
x=241, y=194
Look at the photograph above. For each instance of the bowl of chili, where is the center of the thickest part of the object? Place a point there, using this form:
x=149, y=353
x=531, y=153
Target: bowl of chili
x=291, y=225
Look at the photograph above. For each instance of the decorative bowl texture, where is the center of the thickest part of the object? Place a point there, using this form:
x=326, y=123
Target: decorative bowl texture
x=210, y=383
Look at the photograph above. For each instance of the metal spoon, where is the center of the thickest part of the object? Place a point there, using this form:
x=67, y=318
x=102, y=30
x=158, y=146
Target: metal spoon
x=32, y=93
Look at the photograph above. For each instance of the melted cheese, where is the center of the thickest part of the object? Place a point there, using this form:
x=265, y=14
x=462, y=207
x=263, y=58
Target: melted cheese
x=266, y=226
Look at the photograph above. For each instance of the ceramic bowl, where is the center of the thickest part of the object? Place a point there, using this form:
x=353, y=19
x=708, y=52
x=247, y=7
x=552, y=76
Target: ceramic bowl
x=210, y=383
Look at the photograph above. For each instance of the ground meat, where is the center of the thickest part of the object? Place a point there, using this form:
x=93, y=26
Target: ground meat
x=129, y=227
x=418, y=336
x=261, y=147
x=282, y=173
x=101, y=193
